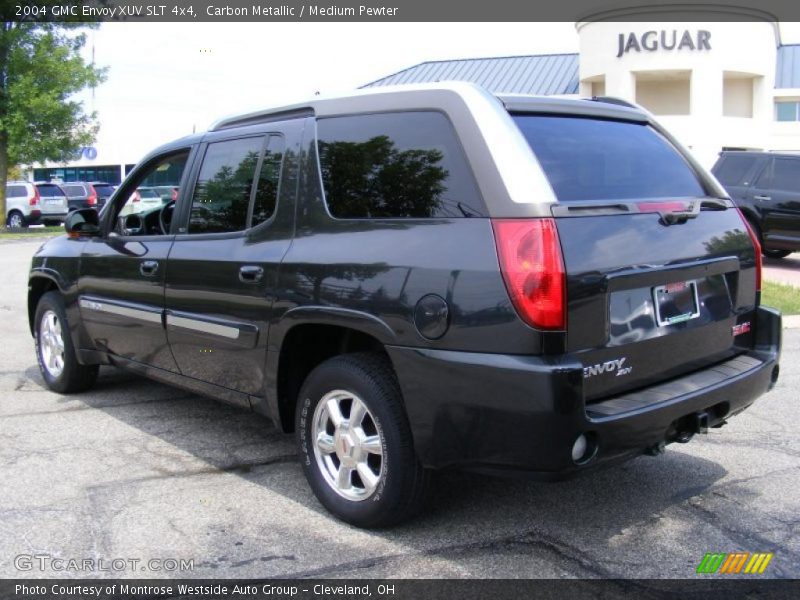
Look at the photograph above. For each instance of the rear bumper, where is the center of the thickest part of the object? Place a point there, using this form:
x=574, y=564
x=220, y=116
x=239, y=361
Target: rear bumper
x=32, y=218
x=503, y=413
x=54, y=216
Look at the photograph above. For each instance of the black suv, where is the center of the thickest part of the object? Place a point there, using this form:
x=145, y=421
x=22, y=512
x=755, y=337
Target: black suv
x=766, y=187
x=423, y=278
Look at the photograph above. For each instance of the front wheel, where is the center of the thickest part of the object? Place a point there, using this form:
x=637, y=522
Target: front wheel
x=355, y=442
x=55, y=353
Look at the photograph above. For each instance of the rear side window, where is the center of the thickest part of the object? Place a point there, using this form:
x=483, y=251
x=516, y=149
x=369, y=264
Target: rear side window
x=16, y=191
x=395, y=165
x=49, y=190
x=222, y=193
x=598, y=160
x=733, y=169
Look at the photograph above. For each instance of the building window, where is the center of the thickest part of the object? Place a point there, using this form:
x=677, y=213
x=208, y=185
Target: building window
x=787, y=111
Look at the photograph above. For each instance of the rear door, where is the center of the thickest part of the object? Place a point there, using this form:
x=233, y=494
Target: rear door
x=223, y=267
x=658, y=273
x=776, y=196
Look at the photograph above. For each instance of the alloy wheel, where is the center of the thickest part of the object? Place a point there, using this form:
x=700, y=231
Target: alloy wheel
x=348, y=445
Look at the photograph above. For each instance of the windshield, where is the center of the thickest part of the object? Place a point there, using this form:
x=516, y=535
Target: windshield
x=588, y=159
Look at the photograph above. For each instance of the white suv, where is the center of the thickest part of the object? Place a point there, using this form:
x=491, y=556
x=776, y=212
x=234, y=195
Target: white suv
x=30, y=203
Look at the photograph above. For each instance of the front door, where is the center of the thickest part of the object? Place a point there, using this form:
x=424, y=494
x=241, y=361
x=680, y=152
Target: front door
x=122, y=273
x=223, y=267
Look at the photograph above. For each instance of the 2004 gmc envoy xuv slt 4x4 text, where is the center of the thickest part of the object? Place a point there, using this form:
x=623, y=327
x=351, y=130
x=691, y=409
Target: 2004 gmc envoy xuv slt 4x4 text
x=423, y=277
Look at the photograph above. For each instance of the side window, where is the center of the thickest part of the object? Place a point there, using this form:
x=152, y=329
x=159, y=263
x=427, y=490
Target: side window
x=222, y=193
x=144, y=212
x=15, y=191
x=786, y=175
x=395, y=165
x=266, y=198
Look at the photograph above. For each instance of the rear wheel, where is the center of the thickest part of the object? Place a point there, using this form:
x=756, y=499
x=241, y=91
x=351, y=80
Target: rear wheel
x=15, y=220
x=355, y=442
x=764, y=250
x=55, y=353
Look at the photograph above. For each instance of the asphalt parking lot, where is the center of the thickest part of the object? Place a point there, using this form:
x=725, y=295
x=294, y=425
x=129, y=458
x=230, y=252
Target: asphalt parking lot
x=138, y=470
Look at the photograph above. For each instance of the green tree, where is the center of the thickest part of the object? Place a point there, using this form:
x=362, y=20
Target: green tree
x=40, y=71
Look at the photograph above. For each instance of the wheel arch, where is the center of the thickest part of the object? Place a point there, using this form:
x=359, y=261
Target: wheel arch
x=307, y=336
x=39, y=284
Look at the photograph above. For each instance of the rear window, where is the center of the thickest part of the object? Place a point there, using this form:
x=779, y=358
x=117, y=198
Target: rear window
x=49, y=190
x=395, y=165
x=599, y=160
x=733, y=169
x=74, y=190
x=148, y=194
x=103, y=189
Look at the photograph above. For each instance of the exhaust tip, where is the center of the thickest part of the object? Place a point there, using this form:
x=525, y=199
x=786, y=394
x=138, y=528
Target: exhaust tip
x=584, y=448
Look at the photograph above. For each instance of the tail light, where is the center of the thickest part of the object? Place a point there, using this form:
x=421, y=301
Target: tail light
x=136, y=196
x=174, y=194
x=34, y=200
x=92, y=199
x=756, y=247
x=533, y=270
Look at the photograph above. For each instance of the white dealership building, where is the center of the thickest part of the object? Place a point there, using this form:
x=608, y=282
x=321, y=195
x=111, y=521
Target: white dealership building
x=715, y=85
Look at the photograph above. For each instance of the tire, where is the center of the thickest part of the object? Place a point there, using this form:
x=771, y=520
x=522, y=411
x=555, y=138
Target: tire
x=393, y=485
x=775, y=253
x=55, y=352
x=764, y=251
x=16, y=220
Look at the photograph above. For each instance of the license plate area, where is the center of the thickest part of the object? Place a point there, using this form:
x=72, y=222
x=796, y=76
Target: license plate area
x=676, y=302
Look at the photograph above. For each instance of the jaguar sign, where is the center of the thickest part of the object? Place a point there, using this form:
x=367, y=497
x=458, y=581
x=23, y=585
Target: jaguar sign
x=651, y=41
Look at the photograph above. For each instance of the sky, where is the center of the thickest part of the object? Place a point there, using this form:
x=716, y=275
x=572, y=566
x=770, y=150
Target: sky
x=166, y=80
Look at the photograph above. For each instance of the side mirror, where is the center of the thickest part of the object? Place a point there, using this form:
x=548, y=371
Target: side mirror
x=82, y=222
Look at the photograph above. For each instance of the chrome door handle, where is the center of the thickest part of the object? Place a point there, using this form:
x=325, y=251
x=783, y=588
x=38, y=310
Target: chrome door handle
x=148, y=268
x=762, y=197
x=250, y=274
